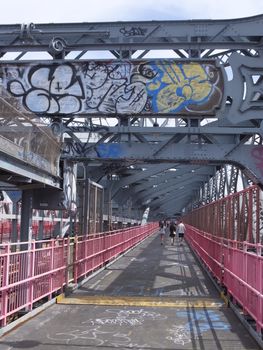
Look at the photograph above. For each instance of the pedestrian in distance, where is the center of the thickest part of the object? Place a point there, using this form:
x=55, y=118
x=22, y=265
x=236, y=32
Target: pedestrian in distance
x=167, y=229
x=172, y=231
x=162, y=233
x=181, y=232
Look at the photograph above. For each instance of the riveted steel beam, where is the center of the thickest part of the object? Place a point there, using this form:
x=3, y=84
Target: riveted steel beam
x=195, y=35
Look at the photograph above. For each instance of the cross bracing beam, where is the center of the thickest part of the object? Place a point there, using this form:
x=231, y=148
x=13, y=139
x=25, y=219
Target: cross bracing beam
x=140, y=175
x=172, y=206
x=120, y=143
x=149, y=189
x=176, y=173
x=58, y=38
x=181, y=152
x=163, y=190
x=247, y=156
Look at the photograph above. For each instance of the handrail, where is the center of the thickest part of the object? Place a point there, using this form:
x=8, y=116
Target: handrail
x=31, y=271
x=237, y=267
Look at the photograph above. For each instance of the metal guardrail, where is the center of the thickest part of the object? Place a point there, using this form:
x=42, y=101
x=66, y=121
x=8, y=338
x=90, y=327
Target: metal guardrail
x=237, y=267
x=32, y=271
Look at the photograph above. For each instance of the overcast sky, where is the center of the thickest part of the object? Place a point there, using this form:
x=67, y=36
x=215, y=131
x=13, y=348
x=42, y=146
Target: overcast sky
x=61, y=11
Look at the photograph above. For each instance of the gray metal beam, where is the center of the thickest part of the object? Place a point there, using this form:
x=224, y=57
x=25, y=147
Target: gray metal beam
x=122, y=145
x=247, y=156
x=168, y=188
x=172, y=206
x=29, y=175
x=167, y=185
x=138, y=176
x=197, y=34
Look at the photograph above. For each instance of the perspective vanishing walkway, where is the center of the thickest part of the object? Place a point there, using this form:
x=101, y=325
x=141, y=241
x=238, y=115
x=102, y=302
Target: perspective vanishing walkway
x=153, y=297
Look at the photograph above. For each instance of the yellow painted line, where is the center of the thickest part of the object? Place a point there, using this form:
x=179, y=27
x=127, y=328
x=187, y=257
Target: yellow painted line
x=141, y=301
x=59, y=298
x=224, y=298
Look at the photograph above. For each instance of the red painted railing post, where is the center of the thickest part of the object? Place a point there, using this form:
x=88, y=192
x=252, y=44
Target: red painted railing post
x=5, y=283
x=67, y=261
x=259, y=287
x=75, y=259
x=31, y=269
x=52, y=262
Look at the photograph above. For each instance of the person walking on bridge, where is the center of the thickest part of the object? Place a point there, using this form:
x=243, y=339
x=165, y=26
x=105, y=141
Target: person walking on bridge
x=162, y=233
x=172, y=231
x=181, y=231
x=162, y=230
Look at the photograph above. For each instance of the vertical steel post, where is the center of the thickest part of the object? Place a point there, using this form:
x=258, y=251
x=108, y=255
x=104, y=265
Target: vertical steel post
x=26, y=216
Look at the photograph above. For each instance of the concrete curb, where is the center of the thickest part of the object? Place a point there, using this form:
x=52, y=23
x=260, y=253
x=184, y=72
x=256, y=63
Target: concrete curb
x=26, y=317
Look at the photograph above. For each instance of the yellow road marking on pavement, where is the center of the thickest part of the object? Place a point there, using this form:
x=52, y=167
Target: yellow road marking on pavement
x=141, y=301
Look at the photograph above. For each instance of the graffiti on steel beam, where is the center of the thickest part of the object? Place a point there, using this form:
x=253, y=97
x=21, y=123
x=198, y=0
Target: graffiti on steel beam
x=162, y=87
x=109, y=151
x=133, y=31
x=104, y=150
x=76, y=148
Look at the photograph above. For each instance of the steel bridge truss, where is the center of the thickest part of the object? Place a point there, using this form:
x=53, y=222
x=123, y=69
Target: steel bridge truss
x=169, y=160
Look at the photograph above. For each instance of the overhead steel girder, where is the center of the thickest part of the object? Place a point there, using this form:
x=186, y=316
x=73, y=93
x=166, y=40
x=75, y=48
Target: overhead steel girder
x=132, y=191
x=103, y=150
x=237, y=117
x=171, y=196
x=16, y=174
x=170, y=209
x=120, y=89
x=152, y=169
x=188, y=176
x=172, y=201
x=166, y=190
x=177, y=191
x=246, y=156
x=164, y=186
x=129, y=36
x=182, y=170
x=212, y=129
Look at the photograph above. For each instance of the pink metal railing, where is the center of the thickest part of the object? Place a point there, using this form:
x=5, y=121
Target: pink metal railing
x=29, y=275
x=45, y=267
x=243, y=275
x=238, y=266
x=208, y=248
x=235, y=217
x=105, y=248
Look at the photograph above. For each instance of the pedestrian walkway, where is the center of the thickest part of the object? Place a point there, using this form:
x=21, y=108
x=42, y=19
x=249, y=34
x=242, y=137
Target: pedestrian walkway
x=153, y=297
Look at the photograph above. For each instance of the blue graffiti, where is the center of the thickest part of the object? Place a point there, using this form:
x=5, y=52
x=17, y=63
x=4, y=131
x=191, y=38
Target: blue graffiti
x=177, y=86
x=206, y=320
x=109, y=151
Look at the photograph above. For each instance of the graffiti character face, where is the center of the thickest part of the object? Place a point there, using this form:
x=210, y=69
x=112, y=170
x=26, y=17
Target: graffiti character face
x=146, y=71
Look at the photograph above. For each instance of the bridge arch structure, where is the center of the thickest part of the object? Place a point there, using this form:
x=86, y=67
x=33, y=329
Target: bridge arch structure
x=165, y=115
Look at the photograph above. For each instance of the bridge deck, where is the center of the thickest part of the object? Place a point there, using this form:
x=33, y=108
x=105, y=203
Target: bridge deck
x=153, y=297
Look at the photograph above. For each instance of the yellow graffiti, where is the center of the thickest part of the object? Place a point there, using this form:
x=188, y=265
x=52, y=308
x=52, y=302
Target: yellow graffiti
x=176, y=86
